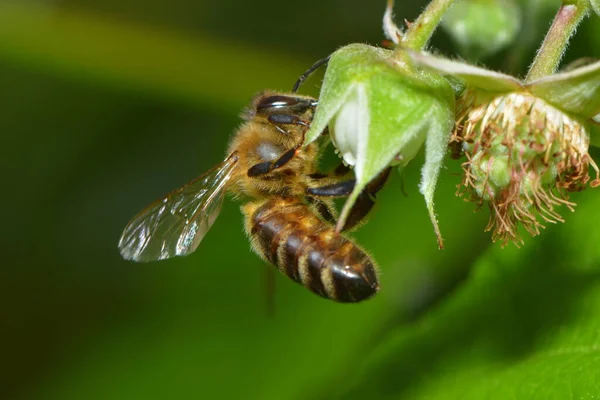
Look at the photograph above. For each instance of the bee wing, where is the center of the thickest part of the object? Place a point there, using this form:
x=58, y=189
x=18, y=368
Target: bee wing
x=175, y=225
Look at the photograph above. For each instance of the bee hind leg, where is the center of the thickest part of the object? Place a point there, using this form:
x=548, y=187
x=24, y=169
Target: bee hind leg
x=364, y=202
x=324, y=208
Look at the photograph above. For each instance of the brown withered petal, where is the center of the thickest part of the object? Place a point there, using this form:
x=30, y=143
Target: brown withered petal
x=523, y=157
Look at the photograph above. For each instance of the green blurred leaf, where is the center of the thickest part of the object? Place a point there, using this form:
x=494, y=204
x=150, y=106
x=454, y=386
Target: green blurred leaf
x=149, y=59
x=80, y=323
x=524, y=326
x=482, y=27
x=204, y=322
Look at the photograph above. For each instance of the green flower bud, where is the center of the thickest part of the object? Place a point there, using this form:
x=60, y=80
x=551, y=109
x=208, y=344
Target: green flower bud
x=380, y=112
x=482, y=27
x=526, y=144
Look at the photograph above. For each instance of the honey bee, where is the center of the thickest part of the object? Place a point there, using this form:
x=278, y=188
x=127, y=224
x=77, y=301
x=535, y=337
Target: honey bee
x=289, y=210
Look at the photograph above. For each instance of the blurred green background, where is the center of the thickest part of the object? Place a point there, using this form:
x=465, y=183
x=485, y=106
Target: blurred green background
x=107, y=105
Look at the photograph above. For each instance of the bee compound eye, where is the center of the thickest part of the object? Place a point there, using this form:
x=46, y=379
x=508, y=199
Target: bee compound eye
x=275, y=102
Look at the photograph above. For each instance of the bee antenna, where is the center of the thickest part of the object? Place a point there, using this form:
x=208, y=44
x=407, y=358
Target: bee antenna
x=309, y=72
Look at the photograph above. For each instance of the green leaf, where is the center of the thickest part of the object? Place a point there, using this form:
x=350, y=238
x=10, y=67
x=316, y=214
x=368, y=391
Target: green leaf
x=576, y=91
x=595, y=131
x=523, y=326
x=89, y=47
x=482, y=27
x=174, y=329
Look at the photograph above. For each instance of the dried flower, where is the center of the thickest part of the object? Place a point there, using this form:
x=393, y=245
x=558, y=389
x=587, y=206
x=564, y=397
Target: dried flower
x=523, y=157
x=526, y=144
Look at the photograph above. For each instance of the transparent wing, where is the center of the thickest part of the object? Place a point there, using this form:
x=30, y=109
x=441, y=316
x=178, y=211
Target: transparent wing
x=175, y=225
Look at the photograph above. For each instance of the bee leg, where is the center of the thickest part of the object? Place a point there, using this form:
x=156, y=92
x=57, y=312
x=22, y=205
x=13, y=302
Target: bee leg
x=359, y=210
x=344, y=188
x=309, y=72
x=376, y=184
x=323, y=208
x=260, y=169
x=364, y=202
x=318, y=175
x=339, y=171
x=338, y=189
x=268, y=166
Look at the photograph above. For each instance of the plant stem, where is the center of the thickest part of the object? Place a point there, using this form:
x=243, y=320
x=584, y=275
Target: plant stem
x=555, y=43
x=420, y=30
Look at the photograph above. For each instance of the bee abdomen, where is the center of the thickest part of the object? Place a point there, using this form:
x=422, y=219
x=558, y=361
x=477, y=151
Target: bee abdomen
x=287, y=234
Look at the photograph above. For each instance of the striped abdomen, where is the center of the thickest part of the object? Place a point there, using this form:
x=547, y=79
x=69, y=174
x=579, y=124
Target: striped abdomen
x=287, y=234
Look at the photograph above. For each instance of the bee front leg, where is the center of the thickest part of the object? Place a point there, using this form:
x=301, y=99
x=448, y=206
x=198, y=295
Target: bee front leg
x=269, y=166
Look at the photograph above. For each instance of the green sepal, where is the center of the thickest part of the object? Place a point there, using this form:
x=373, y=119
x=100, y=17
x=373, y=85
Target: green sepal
x=595, y=131
x=595, y=4
x=472, y=76
x=576, y=91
